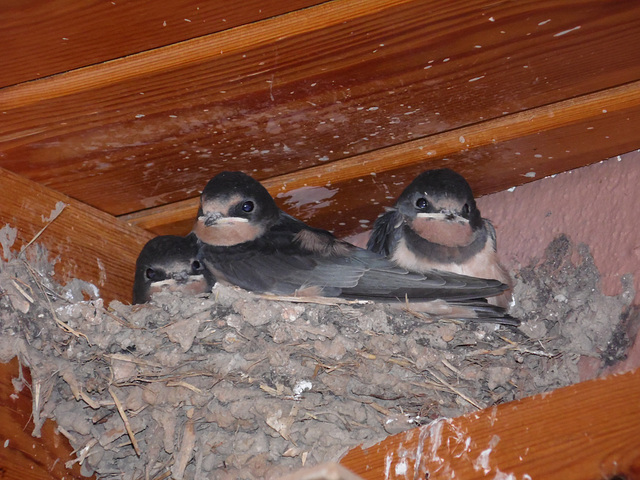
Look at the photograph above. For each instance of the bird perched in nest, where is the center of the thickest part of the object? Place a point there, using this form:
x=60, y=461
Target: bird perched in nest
x=170, y=262
x=246, y=240
x=435, y=224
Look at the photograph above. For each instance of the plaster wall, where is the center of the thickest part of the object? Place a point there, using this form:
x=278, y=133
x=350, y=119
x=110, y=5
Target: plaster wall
x=596, y=205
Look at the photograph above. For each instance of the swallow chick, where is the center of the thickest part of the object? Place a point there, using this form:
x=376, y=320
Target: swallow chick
x=169, y=262
x=246, y=240
x=435, y=224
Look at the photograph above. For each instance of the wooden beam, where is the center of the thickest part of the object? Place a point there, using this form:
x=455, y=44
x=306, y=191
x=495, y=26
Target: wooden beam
x=586, y=431
x=109, y=30
x=85, y=243
x=23, y=456
x=494, y=155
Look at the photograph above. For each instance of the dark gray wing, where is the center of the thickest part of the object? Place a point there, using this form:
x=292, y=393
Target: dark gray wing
x=279, y=262
x=385, y=229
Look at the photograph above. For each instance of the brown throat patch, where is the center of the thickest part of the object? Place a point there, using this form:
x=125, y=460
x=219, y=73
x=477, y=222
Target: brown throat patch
x=443, y=232
x=197, y=284
x=227, y=234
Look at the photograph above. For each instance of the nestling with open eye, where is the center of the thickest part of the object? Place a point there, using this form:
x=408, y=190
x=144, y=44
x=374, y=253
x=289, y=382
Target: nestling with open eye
x=170, y=262
x=435, y=224
x=246, y=240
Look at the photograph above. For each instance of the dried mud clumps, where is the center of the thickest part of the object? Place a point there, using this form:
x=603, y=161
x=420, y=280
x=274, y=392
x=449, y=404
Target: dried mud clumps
x=233, y=385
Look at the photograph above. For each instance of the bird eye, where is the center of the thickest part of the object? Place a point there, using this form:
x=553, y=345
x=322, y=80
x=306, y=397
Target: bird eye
x=196, y=266
x=151, y=274
x=247, y=206
x=421, y=203
x=465, y=210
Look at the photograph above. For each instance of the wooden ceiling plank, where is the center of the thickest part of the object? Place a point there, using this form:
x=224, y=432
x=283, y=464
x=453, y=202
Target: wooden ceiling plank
x=588, y=430
x=548, y=140
x=192, y=52
x=401, y=72
x=70, y=34
x=85, y=243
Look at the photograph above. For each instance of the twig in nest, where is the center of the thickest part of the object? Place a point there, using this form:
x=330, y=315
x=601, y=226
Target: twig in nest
x=451, y=367
x=275, y=392
x=316, y=300
x=516, y=347
x=419, y=315
x=121, y=321
x=127, y=425
x=456, y=391
x=186, y=450
x=402, y=361
x=35, y=409
x=21, y=290
x=380, y=408
x=185, y=385
x=55, y=213
x=164, y=475
x=59, y=322
x=428, y=384
x=69, y=435
x=82, y=454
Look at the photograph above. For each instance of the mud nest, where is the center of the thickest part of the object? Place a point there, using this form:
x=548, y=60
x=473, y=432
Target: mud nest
x=233, y=385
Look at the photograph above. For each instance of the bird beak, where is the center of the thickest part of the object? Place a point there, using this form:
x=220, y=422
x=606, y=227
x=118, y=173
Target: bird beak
x=209, y=219
x=443, y=215
x=181, y=277
x=449, y=215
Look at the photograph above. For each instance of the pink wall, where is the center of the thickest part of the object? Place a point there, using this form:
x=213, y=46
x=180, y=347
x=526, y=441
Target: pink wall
x=598, y=205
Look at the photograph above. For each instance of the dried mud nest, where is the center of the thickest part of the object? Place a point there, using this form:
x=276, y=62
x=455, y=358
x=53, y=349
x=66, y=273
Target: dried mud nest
x=232, y=385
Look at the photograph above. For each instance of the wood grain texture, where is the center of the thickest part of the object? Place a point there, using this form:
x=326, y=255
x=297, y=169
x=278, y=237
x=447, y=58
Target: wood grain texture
x=72, y=34
x=84, y=242
x=586, y=431
x=23, y=456
x=329, y=83
x=495, y=155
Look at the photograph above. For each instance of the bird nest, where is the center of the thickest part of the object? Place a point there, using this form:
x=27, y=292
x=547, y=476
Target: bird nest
x=236, y=385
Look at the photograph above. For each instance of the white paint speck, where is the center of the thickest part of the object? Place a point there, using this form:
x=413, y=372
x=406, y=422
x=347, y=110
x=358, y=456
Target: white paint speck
x=140, y=115
x=512, y=189
x=6, y=443
x=491, y=19
x=475, y=79
x=301, y=387
x=187, y=20
x=387, y=464
x=482, y=462
x=564, y=32
x=530, y=174
x=401, y=467
x=461, y=139
x=372, y=109
x=604, y=110
x=544, y=22
x=446, y=60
